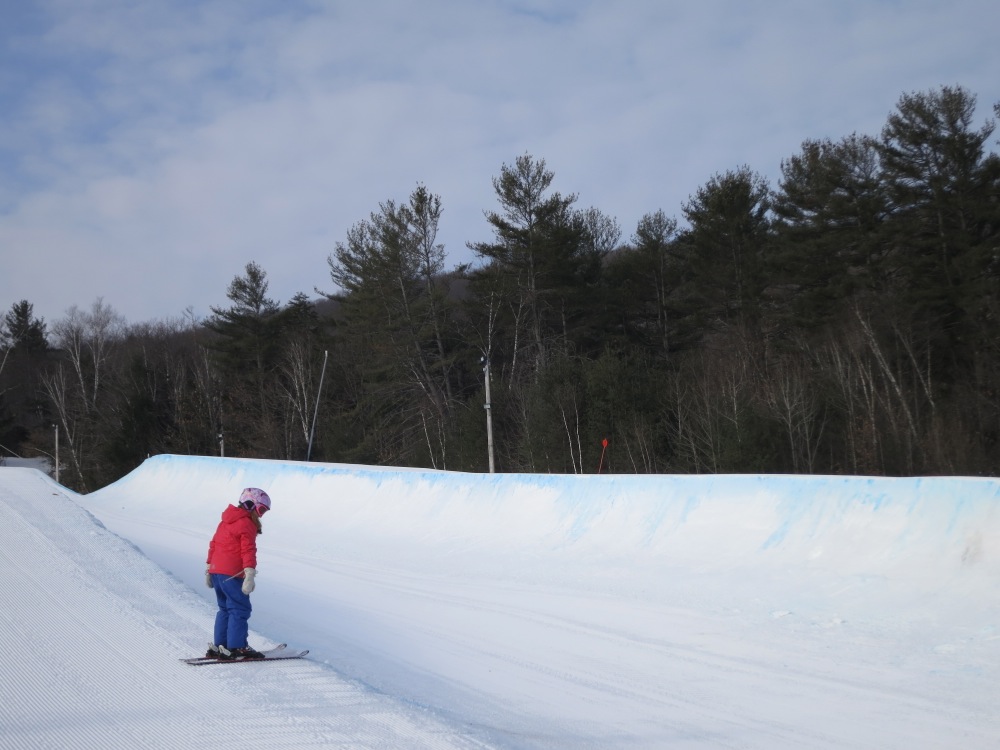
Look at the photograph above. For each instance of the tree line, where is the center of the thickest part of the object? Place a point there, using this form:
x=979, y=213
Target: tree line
x=843, y=321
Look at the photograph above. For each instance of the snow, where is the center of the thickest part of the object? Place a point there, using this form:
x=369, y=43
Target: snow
x=454, y=610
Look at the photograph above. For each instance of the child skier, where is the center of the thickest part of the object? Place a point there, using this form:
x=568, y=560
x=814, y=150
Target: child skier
x=231, y=569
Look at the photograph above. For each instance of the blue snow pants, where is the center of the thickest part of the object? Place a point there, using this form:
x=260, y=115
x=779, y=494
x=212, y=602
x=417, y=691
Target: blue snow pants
x=234, y=611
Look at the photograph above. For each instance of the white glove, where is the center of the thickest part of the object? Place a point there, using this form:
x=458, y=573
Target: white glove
x=208, y=577
x=248, y=584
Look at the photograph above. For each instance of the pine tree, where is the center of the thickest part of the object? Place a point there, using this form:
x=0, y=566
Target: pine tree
x=540, y=246
x=831, y=206
x=726, y=246
x=942, y=240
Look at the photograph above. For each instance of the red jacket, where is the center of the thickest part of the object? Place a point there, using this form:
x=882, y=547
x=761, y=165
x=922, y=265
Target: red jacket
x=234, y=546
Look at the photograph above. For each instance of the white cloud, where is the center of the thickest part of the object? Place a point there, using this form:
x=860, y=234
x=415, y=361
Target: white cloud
x=153, y=149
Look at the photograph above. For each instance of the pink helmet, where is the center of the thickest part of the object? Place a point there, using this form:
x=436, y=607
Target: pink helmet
x=254, y=499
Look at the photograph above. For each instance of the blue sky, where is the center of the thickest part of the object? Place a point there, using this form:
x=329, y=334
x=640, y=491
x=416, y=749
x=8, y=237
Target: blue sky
x=150, y=149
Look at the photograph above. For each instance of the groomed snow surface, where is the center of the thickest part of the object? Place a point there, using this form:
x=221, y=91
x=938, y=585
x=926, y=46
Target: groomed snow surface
x=447, y=610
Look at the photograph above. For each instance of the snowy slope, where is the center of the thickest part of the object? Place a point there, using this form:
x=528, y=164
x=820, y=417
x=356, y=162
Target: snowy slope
x=92, y=631
x=604, y=611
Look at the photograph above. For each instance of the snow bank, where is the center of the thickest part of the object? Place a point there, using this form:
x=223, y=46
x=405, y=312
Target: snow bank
x=916, y=529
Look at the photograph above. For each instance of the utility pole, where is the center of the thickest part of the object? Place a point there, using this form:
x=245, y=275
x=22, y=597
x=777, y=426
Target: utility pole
x=489, y=413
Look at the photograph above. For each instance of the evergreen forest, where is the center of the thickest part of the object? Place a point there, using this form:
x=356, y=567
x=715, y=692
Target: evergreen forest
x=845, y=320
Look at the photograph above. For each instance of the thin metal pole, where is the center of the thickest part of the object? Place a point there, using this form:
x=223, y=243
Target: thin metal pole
x=57, y=454
x=312, y=430
x=489, y=413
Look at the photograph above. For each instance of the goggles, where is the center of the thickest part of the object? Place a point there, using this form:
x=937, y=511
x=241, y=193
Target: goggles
x=258, y=508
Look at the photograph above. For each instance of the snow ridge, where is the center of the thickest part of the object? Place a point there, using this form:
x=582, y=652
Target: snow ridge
x=902, y=527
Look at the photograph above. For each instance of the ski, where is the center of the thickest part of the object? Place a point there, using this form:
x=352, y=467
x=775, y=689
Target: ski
x=267, y=657
x=272, y=654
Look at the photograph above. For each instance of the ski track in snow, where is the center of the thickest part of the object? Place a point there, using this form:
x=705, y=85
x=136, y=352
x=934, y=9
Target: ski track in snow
x=471, y=611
